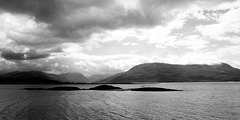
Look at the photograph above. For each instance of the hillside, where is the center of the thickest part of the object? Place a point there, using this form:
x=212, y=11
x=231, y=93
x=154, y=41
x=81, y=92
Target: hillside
x=73, y=78
x=29, y=77
x=38, y=77
x=161, y=72
x=98, y=77
x=109, y=79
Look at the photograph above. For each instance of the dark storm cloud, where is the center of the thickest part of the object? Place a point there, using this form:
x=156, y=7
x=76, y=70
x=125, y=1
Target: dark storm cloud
x=31, y=55
x=43, y=10
x=78, y=19
x=51, y=23
x=32, y=66
x=55, y=14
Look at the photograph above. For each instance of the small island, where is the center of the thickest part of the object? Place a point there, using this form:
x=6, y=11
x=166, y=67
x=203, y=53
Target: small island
x=60, y=88
x=104, y=87
x=152, y=89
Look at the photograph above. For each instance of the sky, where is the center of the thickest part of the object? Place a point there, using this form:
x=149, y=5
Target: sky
x=111, y=36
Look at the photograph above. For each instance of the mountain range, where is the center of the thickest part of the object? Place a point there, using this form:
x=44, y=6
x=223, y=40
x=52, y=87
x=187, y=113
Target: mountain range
x=38, y=77
x=162, y=72
x=29, y=77
x=73, y=78
x=98, y=77
x=148, y=72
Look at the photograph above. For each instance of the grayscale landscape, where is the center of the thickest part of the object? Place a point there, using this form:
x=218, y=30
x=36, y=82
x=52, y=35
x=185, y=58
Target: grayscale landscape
x=119, y=60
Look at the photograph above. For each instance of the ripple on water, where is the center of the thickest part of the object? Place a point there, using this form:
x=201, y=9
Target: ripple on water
x=203, y=101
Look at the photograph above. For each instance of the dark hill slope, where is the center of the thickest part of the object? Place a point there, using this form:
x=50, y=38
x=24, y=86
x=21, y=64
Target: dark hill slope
x=73, y=78
x=28, y=77
x=161, y=72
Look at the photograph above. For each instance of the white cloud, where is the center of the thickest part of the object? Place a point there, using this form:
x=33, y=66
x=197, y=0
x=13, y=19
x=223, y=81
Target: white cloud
x=227, y=28
x=193, y=42
x=230, y=54
x=193, y=58
x=126, y=63
x=136, y=24
x=129, y=4
x=158, y=35
x=16, y=23
x=230, y=51
x=7, y=66
x=219, y=5
x=94, y=64
x=114, y=35
x=71, y=48
x=19, y=32
x=130, y=43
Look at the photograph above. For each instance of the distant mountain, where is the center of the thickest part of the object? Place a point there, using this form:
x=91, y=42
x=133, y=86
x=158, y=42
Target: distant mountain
x=37, y=77
x=109, y=79
x=161, y=72
x=73, y=78
x=29, y=77
x=98, y=77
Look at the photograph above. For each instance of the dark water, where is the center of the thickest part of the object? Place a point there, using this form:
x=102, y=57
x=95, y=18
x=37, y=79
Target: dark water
x=199, y=101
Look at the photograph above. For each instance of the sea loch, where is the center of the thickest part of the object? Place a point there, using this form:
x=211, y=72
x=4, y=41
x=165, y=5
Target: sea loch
x=197, y=101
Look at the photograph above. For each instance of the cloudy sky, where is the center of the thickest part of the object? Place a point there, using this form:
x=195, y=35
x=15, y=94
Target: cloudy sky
x=110, y=36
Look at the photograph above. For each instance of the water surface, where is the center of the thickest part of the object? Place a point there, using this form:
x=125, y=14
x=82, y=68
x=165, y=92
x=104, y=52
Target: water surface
x=198, y=101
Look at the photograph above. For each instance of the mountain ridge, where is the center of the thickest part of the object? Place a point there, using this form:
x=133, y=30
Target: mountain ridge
x=74, y=77
x=142, y=73
x=39, y=77
x=28, y=77
x=97, y=77
x=164, y=72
